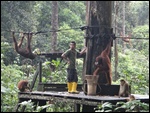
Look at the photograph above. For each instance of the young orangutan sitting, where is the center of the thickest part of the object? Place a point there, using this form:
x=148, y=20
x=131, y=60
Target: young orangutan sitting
x=23, y=86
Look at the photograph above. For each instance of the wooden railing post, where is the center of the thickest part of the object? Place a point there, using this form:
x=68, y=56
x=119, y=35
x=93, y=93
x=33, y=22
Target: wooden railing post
x=40, y=71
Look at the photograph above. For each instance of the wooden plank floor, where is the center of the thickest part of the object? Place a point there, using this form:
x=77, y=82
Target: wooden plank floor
x=80, y=98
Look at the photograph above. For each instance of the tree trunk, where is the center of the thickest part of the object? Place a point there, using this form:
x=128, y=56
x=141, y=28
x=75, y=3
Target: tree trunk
x=116, y=7
x=99, y=24
x=54, y=23
x=123, y=24
x=87, y=3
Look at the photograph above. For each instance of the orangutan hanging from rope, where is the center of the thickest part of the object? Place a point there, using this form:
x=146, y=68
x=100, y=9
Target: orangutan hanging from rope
x=25, y=52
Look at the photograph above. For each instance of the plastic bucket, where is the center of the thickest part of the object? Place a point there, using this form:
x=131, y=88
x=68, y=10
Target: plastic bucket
x=91, y=84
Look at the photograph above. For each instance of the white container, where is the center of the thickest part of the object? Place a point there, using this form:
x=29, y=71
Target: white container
x=91, y=84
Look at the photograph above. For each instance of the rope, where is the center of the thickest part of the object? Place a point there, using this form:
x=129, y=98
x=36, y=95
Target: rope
x=58, y=30
x=82, y=28
x=132, y=38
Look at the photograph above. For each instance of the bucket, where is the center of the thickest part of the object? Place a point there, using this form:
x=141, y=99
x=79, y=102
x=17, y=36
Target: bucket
x=91, y=84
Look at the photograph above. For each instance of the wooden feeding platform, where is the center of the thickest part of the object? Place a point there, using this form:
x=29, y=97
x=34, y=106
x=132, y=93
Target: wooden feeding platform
x=80, y=98
x=58, y=93
x=53, y=92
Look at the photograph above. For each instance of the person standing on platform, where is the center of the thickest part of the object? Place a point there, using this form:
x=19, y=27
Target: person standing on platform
x=70, y=56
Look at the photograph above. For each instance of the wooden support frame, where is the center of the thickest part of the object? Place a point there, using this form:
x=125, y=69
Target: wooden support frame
x=80, y=100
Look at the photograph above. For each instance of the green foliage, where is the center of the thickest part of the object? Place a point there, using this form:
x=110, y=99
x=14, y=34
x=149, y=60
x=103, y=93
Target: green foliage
x=133, y=66
x=67, y=36
x=10, y=76
x=36, y=16
x=6, y=50
x=137, y=13
x=130, y=106
x=105, y=107
x=59, y=75
x=9, y=79
x=61, y=107
x=73, y=14
x=30, y=107
x=142, y=9
x=141, y=45
x=53, y=107
x=16, y=15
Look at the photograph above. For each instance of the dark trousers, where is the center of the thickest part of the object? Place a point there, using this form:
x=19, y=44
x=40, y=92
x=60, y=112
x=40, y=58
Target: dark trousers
x=72, y=75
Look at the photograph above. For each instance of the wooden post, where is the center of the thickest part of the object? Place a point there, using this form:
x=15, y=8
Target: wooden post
x=40, y=71
x=88, y=108
x=34, y=78
x=42, y=103
x=76, y=107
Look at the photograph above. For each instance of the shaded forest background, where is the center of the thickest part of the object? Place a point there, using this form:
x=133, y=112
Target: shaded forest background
x=33, y=16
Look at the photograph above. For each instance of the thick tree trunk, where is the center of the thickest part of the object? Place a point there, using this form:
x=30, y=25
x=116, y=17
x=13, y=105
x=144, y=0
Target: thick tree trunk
x=100, y=24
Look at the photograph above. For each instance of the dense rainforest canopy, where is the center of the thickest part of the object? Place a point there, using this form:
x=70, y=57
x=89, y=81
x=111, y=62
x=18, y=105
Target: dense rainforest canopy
x=33, y=16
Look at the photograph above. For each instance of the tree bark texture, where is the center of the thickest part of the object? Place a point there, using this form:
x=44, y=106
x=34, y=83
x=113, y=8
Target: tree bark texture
x=99, y=31
x=54, y=23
